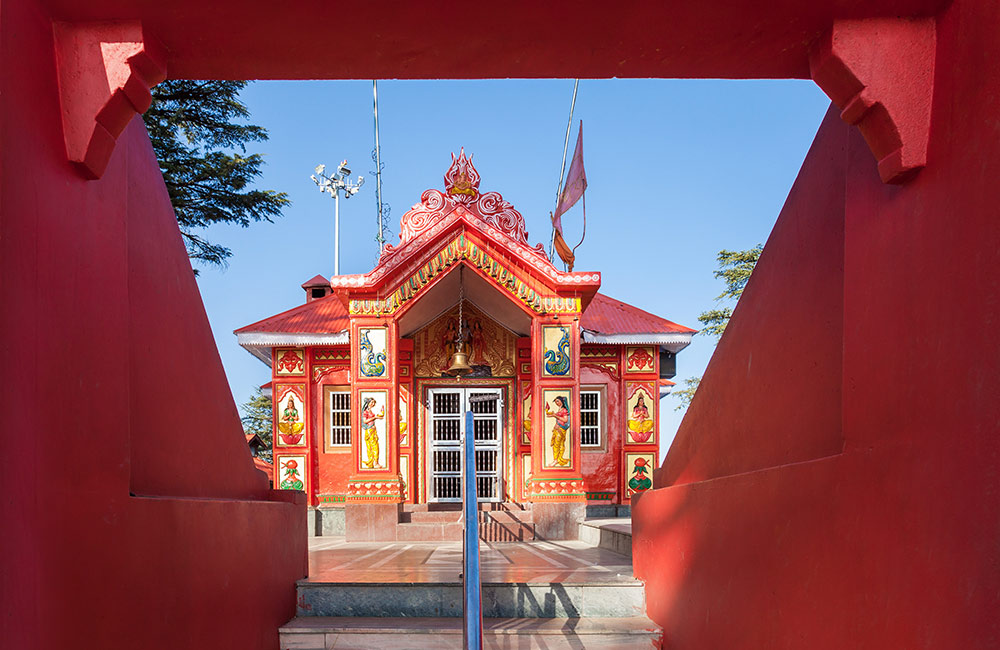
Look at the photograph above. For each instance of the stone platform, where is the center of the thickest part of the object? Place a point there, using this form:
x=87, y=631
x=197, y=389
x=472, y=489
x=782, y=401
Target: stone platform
x=526, y=579
x=541, y=594
x=614, y=534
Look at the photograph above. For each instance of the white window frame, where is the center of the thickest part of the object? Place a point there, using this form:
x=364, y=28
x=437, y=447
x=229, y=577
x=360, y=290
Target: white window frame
x=329, y=392
x=601, y=417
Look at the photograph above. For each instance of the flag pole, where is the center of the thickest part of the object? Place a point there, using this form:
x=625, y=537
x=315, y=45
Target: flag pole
x=562, y=169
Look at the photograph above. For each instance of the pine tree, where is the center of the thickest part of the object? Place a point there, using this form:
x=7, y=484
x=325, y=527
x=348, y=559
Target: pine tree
x=256, y=419
x=199, y=136
x=735, y=268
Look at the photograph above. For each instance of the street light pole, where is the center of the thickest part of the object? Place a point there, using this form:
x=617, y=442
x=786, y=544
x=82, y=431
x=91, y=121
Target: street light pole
x=333, y=185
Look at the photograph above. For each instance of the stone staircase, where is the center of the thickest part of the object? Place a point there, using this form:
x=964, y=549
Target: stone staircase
x=498, y=522
x=552, y=595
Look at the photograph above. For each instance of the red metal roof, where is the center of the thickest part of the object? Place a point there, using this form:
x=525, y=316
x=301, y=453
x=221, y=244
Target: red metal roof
x=263, y=465
x=604, y=315
x=609, y=316
x=321, y=316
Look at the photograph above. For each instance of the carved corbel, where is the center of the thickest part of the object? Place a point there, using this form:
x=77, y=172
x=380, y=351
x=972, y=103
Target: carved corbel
x=105, y=73
x=880, y=73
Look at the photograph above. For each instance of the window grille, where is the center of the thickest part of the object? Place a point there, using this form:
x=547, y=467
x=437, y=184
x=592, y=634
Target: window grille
x=590, y=418
x=340, y=418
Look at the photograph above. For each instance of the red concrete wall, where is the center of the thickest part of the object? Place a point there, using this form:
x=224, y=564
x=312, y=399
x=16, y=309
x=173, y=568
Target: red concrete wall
x=777, y=371
x=332, y=468
x=602, y=469
x=890, y=542
x=111, y=384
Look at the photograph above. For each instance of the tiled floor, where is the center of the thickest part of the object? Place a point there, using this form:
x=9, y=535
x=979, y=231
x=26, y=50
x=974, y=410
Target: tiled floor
x=331, y=559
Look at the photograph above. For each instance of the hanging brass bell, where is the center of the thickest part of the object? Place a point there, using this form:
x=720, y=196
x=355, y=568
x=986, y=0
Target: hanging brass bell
x=459, y=363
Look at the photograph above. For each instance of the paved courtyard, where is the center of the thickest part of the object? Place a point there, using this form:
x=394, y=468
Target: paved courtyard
x=333, y=560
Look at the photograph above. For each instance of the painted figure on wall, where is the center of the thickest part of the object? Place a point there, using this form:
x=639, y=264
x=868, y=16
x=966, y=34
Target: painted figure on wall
x=639, y=482
x=448, y=339
x=559, y=431
x=368, y=418
x=403, y=418
x=290, y=477
x=640, y=425
x=372, y=361
x=526, y=417
x=557, y=361
x=478, y=342
x=290, y=425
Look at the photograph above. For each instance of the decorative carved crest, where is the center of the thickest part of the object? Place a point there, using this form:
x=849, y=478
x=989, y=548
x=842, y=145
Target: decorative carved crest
x=461, y=181
x=461, y=184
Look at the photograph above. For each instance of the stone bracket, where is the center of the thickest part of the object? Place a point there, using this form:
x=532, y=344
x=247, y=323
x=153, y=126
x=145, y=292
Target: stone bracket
x=880, y=73
x=105, y=73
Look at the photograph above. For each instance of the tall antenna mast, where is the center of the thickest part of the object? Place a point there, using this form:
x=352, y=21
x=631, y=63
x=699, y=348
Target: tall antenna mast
x=381, y=208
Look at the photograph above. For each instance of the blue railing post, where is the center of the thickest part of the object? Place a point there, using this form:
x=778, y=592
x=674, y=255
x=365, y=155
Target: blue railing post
x=473, y=610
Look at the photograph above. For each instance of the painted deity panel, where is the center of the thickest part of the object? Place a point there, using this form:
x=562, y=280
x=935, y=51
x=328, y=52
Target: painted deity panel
x=557, y=351
x=290, y=363
x=526, y=413
x=373, y=447
x=372, y=355
x=290, y=415
x=558, y=427
x=490, y=346
x=404, y=475
x=639, y=360
x=640, y=413
x=292, y=472
x=639, y=472
x=526, y=476
x=404, y=416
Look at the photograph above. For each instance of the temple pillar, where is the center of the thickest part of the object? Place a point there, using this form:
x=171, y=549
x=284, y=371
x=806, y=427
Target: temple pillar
x=374, y=490
x=556, y=486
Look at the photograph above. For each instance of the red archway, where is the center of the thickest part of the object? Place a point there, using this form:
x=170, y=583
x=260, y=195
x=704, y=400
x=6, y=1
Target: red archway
x=858, y=521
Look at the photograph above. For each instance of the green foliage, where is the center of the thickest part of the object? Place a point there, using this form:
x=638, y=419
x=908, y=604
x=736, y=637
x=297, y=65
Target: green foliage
x=196, y=128
x=735, y=268
x=686, y=394
x=256, y=419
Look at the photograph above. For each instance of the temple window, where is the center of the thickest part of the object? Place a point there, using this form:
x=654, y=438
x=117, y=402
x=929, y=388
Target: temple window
x=591, y=417
x=338, y=400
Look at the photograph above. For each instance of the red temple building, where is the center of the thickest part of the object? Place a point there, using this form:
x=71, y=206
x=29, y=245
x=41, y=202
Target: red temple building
x=367, y=407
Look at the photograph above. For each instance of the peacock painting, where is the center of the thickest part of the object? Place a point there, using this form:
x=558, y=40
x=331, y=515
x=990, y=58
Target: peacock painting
x=557, y=361
x=372, y=363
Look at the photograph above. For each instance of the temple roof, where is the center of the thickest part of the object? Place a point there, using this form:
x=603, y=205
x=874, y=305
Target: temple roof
x=325, y=321
x=457, y=228
x=607, y=320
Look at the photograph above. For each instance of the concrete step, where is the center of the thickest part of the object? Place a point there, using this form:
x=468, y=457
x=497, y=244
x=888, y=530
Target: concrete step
x=343, y=633
x=430, y=517
x=506, y=526
x=613, y=534
x=429, y=532
x=623, y=598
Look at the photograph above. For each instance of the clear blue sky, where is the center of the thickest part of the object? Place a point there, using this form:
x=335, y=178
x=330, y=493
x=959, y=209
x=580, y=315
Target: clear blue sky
x=677, y=170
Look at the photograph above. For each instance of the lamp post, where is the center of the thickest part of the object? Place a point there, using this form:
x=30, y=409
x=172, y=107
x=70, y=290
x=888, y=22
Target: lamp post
x=334, y=184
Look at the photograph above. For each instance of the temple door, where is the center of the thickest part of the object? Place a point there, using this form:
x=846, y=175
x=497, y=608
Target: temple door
x=447, y=407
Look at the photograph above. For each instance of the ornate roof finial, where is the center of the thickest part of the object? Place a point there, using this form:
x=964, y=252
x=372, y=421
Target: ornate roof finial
x=461, y=181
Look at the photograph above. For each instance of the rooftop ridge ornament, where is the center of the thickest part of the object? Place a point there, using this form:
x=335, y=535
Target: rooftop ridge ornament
x=461, y=181
x=462, y=197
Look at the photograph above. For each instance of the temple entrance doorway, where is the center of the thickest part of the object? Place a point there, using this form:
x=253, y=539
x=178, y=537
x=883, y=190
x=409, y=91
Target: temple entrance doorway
x=447, y=407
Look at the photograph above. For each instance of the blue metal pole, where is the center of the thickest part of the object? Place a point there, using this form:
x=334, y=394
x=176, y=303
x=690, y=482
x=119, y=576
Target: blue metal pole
x=473, y=610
